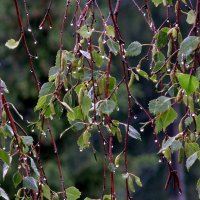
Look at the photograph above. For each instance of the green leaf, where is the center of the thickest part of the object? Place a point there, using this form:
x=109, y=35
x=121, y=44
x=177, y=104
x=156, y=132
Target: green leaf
x=84, y=140
x=110, y=31
x=137, y=181
x=34, y=167
x=130, y=184
x=134, y=49
x=5, y=170
x=47, y=88
x=53, y=72
x=187, y=47
x=176, y=145
x=12, y=44
x=167, y=144
x=161, y=104
x=188, y=82
x=27, y=140
x=17, y=178
x=118, y=159
x=198, y=123
x=75, y=115
x=107, y=106
x=85, y=31
x=113, y=46
x=107, y=197
x=46, y=191
x=72, y=193
x=4, y=156
x=162, y=37
x=97, y=57
x=165, y=119
x=188, y=121
x=3, y=194
x=191, y=148
x=132, y=132
x=143, y=73
x=85, y=54
x=30, y=183
x=86, y=104
x=41, y=103
x=191, y=160
x=157, y=2
x=191, y=16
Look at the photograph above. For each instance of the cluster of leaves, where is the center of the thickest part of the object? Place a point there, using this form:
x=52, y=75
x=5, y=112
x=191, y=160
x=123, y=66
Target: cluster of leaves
x=81, y=88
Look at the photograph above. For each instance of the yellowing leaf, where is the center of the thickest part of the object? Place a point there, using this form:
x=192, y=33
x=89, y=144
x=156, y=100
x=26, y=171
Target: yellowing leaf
x=12, y=44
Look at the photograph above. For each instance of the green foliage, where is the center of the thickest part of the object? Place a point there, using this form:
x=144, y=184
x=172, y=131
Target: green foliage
x=84, y=91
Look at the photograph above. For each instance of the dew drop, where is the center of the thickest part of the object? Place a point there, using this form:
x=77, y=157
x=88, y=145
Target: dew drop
x=117, y=108
x=155, y=141
x=40, y=28
x=141, y=108
x=35, y=42
x=144, y=14
x=81, y=150
x=168, y=70
x=71, y=24
x=141, y=129
x=36, y=57
x=167, y=21
x=112, y=146
x=29, y=30
x=104, y=143
x=135, y=117
x=32, y=130
x=117, y=166
x=50, y=27
x=159, y=161
x=4, y=148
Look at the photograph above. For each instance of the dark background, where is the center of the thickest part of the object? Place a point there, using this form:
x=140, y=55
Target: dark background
x=81, y=169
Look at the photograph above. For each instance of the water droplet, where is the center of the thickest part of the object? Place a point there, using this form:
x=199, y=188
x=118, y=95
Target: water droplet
x=104, y=143
x=19, y=167
x=135, y=117
x=25, y=158
x=44, y=179
x=141, y=129
x=38, y=145
x=117, y=108
x=27, y=14
x=32, y=130
x=112, y=146
x=182, y=63
x=81, y=150
x=50, y=27
x=71, y=24
x=66, y=89
x=168, y=70
x=40, y=28
x=35, y=42
x=29, y=30
x=117, y=166
x=36, y=57
x=141, y=108
x=144, y=14
x=4, y=148
x=155, y=141
x=167, y=21
x=159, y=161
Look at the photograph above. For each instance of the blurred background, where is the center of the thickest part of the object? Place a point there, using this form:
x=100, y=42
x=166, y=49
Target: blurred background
x=81, y=169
